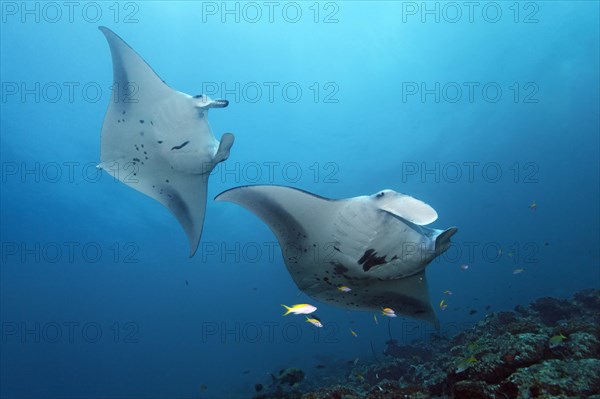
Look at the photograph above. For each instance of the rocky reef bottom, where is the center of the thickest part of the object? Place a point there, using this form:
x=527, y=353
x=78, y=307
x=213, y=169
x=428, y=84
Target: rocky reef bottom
x=549, y=349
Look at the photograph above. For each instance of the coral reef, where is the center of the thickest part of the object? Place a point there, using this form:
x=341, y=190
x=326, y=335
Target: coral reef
x=549, y=349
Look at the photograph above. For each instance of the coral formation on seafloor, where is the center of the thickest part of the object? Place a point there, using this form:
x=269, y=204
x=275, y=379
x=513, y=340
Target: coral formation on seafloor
x=550, y=349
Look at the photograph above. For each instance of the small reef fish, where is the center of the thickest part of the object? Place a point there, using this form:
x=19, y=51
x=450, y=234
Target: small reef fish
x=518, y=271
x=344, y=288
x=301, y=308
x=464, y=267
x=389, y=312
x=533, y=206
x=375, y=319
x=511, y=254
x=354, y=334
x=556, y=340
x=315, y=322
x=443, y=304
x=447, y=292
x=464, y=364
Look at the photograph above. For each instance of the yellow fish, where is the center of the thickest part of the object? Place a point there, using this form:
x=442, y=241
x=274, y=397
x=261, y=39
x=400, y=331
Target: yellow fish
x=354, y=334
x=375, y=319
x=533, y=206
x=443, y=304
x=344, y=288
x=314, y=322
x=556, y=340
x=464, y=364
x=389, y=312
x=447, y=292
x=517, y=271
x=301, y=308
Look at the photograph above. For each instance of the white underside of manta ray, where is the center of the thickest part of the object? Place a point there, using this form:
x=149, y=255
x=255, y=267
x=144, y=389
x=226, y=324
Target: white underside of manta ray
x=376, y=245
x=158, y=140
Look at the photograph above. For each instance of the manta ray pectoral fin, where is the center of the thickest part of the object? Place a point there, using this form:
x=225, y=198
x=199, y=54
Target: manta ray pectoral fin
x=189, y=206
x=442, y=241
x=224, y=147
x=134, y=79
x=405, y=206
x=290, y=213
x=410, y=295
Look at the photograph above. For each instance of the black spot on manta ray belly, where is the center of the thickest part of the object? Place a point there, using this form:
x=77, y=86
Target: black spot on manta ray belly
x=180, y=146
x=338, y=267
x=370, y=259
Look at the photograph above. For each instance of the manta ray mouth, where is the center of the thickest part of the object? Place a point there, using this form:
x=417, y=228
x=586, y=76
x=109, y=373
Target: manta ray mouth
x=219, y=104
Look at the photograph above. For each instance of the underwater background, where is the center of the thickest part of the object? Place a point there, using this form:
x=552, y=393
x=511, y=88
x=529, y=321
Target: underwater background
x=487, y=111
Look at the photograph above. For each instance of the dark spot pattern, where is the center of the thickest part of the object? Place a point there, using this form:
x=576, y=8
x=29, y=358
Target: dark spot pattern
x=370, y=260
x=338, y=267
x=180, y=146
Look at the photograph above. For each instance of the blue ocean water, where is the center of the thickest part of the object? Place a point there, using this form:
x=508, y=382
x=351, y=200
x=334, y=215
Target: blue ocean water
x=489, y=112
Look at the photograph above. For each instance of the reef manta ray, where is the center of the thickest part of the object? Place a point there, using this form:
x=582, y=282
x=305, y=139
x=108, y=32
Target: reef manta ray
x=375, y=245
x=158, y=140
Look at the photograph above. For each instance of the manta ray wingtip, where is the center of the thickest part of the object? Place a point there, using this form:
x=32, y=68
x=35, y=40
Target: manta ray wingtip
x=194, y=247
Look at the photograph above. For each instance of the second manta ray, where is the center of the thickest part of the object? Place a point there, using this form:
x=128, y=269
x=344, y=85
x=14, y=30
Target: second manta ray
x=376, y=245
x=158, y=141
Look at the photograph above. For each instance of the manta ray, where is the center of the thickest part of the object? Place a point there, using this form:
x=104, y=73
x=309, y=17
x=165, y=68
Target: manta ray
x=158, y=141
x=375, y=245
